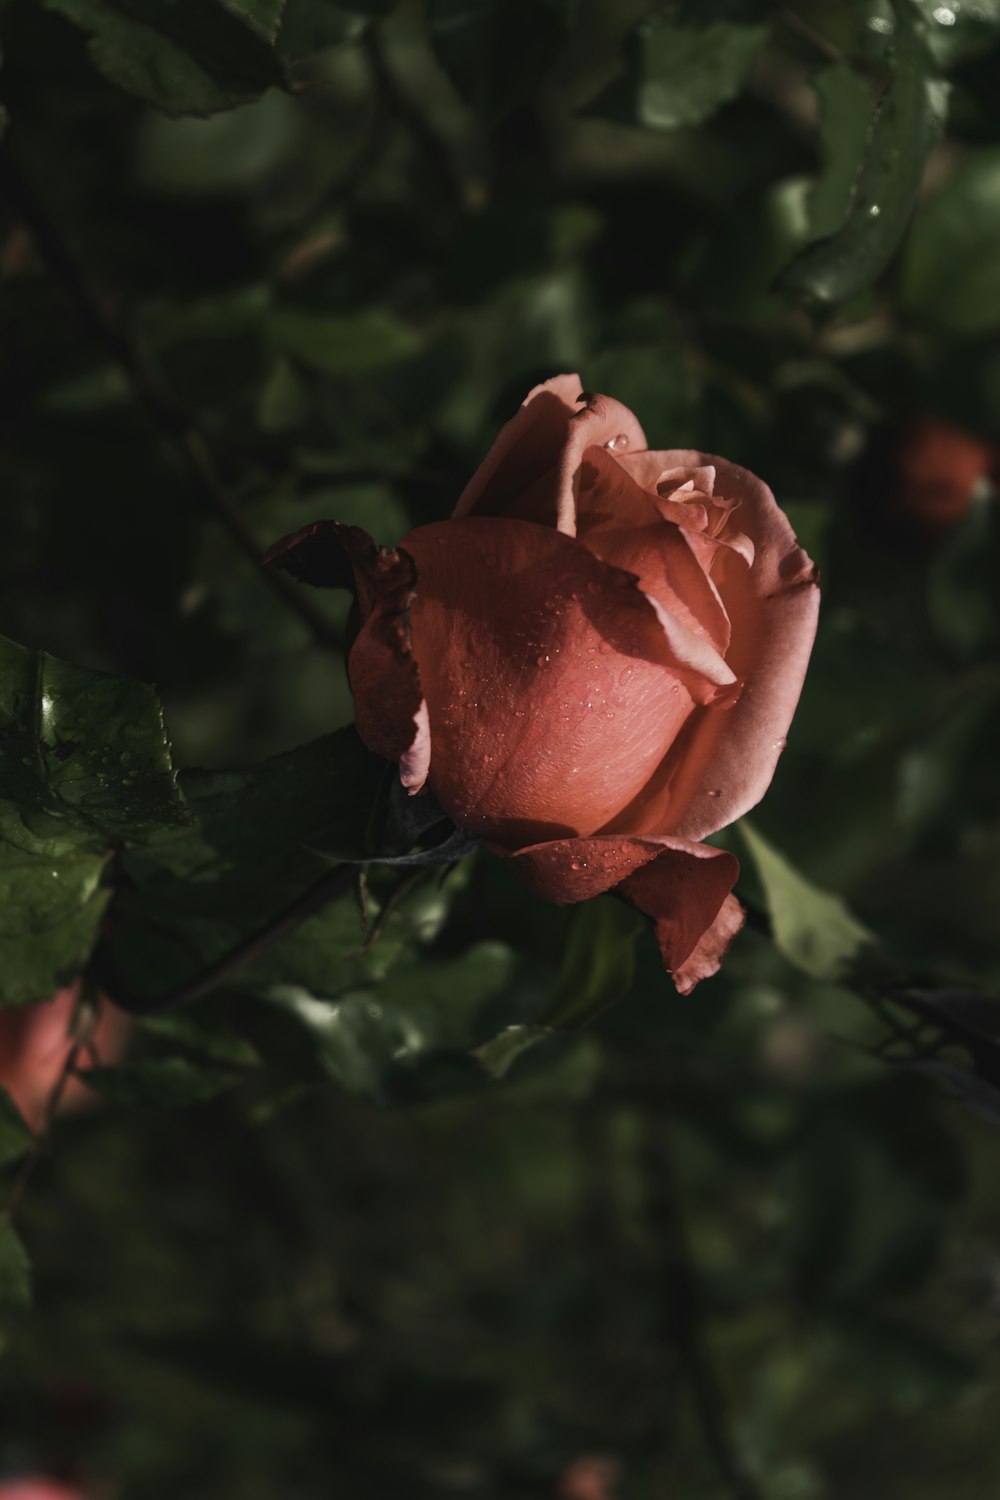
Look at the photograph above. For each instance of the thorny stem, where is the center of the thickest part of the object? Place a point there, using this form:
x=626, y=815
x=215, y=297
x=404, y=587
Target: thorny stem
x=331, y=885
x=685, y=1312
x=175, y=425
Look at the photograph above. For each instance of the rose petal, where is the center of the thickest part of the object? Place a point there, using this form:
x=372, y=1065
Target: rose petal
x=683, y=886
x=520, y=474
x=623, y=524
x=706, y=956
x=726, y=758
x=550, y=713
x=532, y=470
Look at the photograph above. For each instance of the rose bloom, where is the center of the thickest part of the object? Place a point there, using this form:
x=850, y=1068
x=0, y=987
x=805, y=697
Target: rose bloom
x=592, y=665
x=35, y=1041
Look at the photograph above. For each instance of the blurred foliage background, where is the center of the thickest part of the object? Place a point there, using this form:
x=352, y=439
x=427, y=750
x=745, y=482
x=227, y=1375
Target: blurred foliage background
x=388, y=1219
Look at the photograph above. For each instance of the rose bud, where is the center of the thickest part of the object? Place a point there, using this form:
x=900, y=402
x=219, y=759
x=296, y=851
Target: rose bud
x=593, y=665
x=937, y=469
x=35, y=1043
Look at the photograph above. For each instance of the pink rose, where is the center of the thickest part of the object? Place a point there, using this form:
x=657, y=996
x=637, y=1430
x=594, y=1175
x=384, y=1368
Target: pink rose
x=35, y=1042
x=593, y=664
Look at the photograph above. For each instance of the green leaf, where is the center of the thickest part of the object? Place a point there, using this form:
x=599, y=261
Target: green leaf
x=261, y=838
x=597, y=969
x=908, y=122
x=680, y=71
x=813, y=929
x=414, y=1036
x=85, y=770
x=184, y=57
x=160, y=1083
x=15, y=1271
x=348, y=344
x=951, y=273
x=15, y=1136
x=846, y=103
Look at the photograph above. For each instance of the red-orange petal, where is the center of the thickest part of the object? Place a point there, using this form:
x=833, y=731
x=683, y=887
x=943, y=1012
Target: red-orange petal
x=683, y=886
x=726, y=759
x=532, y=471
x=546, y=714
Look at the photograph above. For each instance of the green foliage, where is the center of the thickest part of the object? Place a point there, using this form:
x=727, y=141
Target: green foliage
x=15, y=1271
x=15, y=1137
x=950, y=277
x=813, y=929
x=908, y=123
x=681, y=70
x=404, y=1204
x=86, y=773
x=188, y=57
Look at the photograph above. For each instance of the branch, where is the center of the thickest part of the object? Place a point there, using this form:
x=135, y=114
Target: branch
x=103, y=972
x=174, y=424
x=686, y=1310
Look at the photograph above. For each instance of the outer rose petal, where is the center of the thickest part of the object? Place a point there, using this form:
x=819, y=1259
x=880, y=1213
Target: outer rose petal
x=548, y=714
x=724, y=762
x=532, y=470
x=683, y=886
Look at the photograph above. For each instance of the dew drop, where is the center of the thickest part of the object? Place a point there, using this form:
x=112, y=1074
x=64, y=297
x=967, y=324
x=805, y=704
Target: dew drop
x=616, y=444
x=625, y=676
x=541, y=660
x=874, y=211
x=944, y=16
x=715, y=792
x=779, y=744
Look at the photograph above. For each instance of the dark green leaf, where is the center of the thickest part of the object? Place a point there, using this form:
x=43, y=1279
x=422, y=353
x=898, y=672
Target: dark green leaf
x=85, y=769
x=161, y=1083
x=814, y=930
x=15, y=1271
x=680, y=71
x=846, y=102
x=908, y=122
x=352, y=344
x=413, y=1036
x=598, y=968
x=951, y=273
x=186, y=57
x=15, y=1137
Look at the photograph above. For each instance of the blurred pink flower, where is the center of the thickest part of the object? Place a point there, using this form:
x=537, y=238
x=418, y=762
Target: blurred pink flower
x=35, y=1042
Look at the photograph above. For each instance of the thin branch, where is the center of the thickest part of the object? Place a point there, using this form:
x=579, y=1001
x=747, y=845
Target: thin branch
x=221, y=970
x=686, y=1311
x=174, y=424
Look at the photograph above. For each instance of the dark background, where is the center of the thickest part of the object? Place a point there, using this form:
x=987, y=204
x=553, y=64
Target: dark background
x=259, y=273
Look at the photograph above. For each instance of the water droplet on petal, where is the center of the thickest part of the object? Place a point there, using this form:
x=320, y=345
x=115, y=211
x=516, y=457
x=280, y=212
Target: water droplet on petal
x=715, y=792
x=779, y=744
x=616, y=444
x=541, y=660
